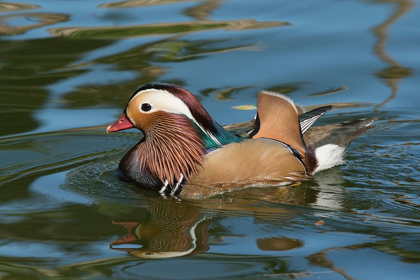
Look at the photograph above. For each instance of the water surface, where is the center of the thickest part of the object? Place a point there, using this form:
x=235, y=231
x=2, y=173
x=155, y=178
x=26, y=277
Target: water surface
x=67, y=69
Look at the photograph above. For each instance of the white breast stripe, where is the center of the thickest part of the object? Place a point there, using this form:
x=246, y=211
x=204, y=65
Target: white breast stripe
x=163, y=189
x=178, y=184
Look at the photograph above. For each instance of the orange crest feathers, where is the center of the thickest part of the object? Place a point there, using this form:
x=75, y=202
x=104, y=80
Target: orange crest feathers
x=279, y=120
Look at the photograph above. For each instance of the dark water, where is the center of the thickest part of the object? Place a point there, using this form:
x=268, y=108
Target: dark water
x=67, y=69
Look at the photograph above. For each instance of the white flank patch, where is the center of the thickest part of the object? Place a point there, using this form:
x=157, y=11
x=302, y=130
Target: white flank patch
x=328, y=156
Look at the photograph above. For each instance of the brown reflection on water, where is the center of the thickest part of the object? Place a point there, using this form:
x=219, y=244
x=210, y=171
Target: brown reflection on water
x=120, y=32
x=321, y=260
x=201, y=11
x=35, y=20
x=179, y=228
x=223, y=94
x=8, y=6
x=393, y=74
x=139, y=3
x=280, y=243
x=173, y=230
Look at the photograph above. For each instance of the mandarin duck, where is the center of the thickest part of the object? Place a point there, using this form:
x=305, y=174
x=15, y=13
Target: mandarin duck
x=186, y=153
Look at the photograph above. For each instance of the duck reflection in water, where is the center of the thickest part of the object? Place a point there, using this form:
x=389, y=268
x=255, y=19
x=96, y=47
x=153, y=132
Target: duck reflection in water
x=173, y=230
x=182, y=228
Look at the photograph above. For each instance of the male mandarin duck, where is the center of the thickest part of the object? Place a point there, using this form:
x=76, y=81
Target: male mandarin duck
x=186, y=153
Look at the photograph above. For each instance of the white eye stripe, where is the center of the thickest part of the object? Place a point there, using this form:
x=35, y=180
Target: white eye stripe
x=162, y=100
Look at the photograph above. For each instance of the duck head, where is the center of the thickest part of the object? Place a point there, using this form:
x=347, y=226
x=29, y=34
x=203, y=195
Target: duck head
x=152, y=101
x=177, y=130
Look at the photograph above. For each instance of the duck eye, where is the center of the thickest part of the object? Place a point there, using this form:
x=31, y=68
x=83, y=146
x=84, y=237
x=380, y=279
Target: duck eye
x=146, y=107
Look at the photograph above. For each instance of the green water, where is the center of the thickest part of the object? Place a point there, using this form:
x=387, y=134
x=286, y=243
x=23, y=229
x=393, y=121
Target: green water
x=67, y=69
